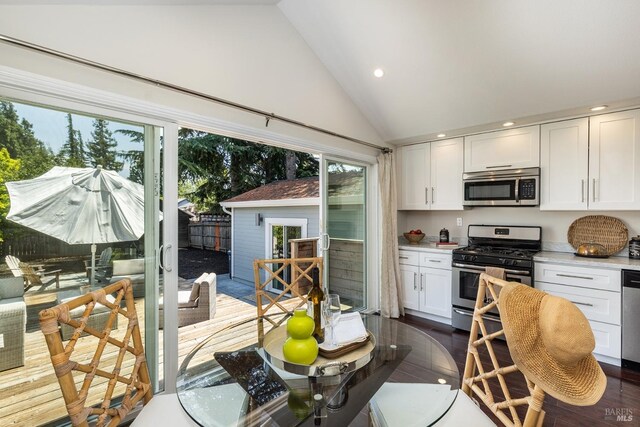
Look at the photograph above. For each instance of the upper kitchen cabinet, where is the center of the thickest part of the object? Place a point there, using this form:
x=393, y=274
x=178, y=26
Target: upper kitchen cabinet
x=564, y=165
x=507, y=149
x=430, y=175
x=614, y=161
x=591, y=163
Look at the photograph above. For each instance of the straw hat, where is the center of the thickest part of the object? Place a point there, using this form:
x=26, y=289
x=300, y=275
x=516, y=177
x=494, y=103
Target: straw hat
x=551, y=341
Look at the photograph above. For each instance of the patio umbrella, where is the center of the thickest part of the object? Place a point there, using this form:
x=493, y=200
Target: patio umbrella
x=80, y=206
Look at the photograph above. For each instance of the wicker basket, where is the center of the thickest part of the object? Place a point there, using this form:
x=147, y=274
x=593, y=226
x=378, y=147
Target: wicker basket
x=606, y=230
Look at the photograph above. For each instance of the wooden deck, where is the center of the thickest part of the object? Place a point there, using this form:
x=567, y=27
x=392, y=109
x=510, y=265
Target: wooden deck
x=30, y=394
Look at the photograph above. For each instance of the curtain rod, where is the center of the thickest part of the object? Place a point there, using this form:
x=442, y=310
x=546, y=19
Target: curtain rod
x=180, y=89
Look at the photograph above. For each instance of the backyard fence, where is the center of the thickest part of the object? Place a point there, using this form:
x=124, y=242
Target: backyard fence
x=214, y=234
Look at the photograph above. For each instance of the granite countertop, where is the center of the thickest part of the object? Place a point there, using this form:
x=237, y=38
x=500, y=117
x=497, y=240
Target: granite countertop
x=571, y=259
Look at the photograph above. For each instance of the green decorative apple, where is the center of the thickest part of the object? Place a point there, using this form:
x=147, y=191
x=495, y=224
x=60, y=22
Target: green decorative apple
x=300, y=347
x=301, y=351
x=300, y=325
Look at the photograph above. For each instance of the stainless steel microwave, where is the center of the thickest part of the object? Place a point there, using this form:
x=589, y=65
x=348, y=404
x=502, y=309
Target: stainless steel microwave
x=511, y=187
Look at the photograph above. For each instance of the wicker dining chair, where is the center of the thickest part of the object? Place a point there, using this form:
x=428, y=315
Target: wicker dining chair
x=301, y=272
x=129, y=370
x=483, y=378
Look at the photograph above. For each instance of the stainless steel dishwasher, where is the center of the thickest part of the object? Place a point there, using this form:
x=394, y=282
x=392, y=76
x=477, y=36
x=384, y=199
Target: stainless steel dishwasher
x=631, y=319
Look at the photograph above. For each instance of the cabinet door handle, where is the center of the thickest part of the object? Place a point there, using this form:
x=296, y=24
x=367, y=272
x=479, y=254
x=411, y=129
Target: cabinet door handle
x=415, y=285
x=403, y=257
x=574, y=277
x=433, y=196
x=582, y=303
x=426, y=195
x=434, y=260
x=594, y=189
x=582, y=191
x=421, y=282
x=498, y=166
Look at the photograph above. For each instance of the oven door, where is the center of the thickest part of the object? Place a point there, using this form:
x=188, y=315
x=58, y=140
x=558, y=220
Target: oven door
x=491, y=192
x=466, y=279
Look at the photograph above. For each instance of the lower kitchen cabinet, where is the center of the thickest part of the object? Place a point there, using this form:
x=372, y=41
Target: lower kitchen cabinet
x=426, y=279
x=597, y=293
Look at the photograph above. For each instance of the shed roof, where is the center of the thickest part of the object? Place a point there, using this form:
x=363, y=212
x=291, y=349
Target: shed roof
x=301, y=188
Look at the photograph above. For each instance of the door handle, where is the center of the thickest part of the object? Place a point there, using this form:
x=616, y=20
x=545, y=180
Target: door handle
x=464, y=313
x=426, y=195
x=167, y=253
x=593, y=190
x=498, y=166
x=415, y=285
x=421, y=282
x=433, y=196
x=326, y=242
x=582, y=191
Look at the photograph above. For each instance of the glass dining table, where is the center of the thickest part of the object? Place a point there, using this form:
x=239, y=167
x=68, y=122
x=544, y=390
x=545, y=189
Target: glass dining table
x=230, y=380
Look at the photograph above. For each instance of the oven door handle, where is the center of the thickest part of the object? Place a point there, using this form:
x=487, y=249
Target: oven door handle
x=464, y=313
x=482, y=269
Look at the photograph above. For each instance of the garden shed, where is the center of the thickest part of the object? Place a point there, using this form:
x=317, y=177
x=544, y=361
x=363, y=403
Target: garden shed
x=265, y=219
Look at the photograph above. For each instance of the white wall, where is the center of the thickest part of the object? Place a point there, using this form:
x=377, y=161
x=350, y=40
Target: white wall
x=554, y=224
x=246, y=54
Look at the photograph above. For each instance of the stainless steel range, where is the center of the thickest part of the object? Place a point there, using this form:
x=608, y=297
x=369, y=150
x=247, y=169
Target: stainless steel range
x=508, y=247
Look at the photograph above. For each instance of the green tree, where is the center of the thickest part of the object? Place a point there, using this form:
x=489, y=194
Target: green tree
x=135, y=158
x=102, y=148
x=17, y=137
x=72, y=152
x=9, y=171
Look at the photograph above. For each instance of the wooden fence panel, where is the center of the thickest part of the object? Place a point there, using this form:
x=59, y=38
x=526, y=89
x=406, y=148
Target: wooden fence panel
x=346, y=261
x=213, y=235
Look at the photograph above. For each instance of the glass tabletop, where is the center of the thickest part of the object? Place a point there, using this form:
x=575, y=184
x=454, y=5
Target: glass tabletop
x=227, y=381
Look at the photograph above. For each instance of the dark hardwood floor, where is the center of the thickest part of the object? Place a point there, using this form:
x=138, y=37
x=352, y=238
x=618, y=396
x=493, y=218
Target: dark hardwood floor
x=622, y=395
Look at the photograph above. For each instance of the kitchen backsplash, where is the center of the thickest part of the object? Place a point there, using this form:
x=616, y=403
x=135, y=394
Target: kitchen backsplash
x=554, y=224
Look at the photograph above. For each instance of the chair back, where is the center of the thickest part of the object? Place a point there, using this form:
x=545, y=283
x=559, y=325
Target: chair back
x=105, y=257
x=30, y=274
x=129, y=372
x=14, y=265
x=300, y=270
x=482, y=370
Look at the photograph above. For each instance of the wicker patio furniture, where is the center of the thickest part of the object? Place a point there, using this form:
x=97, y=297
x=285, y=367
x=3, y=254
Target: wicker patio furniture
x=197, y=304
x=127, y=372
x=13, y=319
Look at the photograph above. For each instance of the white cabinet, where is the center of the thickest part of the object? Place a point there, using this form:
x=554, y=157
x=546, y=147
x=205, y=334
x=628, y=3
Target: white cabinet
x=426, y=280
x=564, y=165
x=507, y=149
x=430, y=175
x=597, y=293
x=591, y=163
x=614, y=161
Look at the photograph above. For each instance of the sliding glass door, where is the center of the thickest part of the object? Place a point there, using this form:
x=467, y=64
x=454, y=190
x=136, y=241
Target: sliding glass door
x=344, y=235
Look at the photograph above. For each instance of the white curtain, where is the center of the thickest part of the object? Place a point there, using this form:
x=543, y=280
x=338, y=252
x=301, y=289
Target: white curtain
x=391, y=291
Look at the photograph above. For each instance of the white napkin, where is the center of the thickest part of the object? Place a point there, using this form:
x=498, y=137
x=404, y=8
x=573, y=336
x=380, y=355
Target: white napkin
x=349, y=329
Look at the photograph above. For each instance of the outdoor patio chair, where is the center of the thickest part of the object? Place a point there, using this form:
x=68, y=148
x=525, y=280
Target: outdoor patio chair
x=197, y=304
x=34, y=277
x=128, y=370
x=272, y=270
x=102, y=267
x=14, y=266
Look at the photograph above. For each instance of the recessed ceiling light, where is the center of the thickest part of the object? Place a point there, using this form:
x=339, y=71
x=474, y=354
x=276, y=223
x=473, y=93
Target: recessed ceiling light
x=598, y=108
x=442, y=381
x=378, y=72
x=506, y=124
x=441, y=135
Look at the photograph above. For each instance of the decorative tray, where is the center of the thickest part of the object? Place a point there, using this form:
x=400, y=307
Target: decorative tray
x=605, y=230
x=322, y=366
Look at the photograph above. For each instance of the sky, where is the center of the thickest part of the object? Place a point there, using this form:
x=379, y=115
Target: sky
x=50, y=127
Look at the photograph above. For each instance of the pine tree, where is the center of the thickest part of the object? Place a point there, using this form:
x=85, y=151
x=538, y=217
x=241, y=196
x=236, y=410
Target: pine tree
x=72, y=152
x=101, y=150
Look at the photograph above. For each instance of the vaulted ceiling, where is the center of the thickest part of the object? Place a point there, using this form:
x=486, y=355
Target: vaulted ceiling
x=459, y=66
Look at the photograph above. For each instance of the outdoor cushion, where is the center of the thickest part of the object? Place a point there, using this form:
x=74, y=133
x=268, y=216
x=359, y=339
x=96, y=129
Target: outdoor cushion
x=11, y=287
